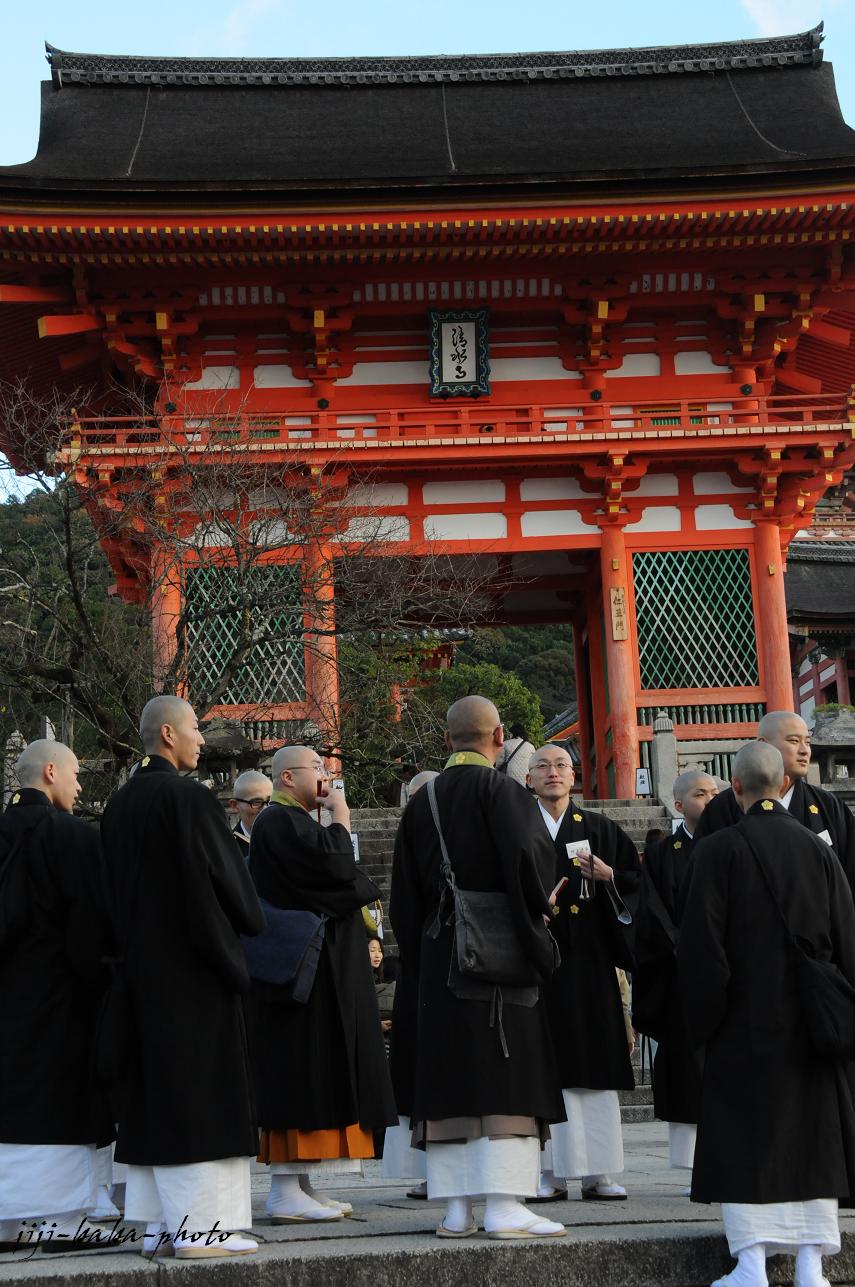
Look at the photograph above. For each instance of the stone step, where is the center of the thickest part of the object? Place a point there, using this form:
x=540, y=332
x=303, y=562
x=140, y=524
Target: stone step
x=636, y=1113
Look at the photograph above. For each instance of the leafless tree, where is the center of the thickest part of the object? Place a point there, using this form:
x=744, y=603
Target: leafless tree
x=224, y=556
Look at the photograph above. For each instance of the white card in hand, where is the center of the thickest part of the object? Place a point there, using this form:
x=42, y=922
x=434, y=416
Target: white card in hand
x=576, y=847
x=823, y=835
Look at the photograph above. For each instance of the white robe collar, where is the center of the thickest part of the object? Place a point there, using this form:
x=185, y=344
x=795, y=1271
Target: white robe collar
x=553, y=825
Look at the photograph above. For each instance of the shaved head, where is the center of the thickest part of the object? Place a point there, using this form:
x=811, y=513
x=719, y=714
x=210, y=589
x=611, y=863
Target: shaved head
x=250, y=781
x=421, y=779
x=758, y=772
x=471, y=721
x=165, y=709
x=789, y=733
x=29, y=768
x=684, y=783
x=293, y=757
x=773, y=724
x=50, y=767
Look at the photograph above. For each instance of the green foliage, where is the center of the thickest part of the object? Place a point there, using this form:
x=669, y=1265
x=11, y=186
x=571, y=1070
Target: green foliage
x=540, y=656
x=516, y=703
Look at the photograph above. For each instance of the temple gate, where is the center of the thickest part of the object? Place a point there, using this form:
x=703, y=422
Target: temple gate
x=588, y=316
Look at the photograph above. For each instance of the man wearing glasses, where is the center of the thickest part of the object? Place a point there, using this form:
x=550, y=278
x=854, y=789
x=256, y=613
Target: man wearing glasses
x=321, y=1075
x=250, y=794
x=583, y=996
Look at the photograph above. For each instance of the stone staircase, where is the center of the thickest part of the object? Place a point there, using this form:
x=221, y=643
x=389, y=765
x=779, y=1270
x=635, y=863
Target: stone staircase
x=376, y=829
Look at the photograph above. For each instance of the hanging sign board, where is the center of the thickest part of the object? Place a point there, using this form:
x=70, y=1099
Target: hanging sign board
x=620, y=628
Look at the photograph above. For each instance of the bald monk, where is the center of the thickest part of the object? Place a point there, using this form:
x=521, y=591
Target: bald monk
x=321, y=1077
x=181, y=897
x=478, y=1107
x=53, y=930
x=400, y=1160
x=776, y=1124
x=250, y=794
x=656, y=1007
x=818, y=810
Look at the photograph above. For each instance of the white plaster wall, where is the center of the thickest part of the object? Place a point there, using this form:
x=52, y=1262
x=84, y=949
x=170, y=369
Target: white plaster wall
x=658, y=485
x=277, y=375
x=637, y=364
x=698, y=362
x=544, y=489
x=712, y=484
x=555, y=522
x=465, y=527
x=710, y=517
x=386, y=373
x=462, y=493
x=216, y=377
x=378, y=495
x=657, y=518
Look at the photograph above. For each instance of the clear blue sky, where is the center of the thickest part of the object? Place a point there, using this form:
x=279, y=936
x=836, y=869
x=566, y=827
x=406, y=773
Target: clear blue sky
x=340, y=27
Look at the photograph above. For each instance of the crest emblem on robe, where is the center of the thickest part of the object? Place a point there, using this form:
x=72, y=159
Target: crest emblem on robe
x=812, y=808
x=678, y=844
x=767, y=805
x=577, y=817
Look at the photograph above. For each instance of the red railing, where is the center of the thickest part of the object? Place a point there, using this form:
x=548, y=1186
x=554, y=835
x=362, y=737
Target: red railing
x=341, y=429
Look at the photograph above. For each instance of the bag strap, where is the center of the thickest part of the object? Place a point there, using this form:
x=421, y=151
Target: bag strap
x=446, y=869
x=756, y=856
x=503, y=766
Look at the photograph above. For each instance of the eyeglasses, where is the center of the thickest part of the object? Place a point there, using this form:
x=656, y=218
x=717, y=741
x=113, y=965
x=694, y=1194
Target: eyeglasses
x=563, y=766
x=257, y=802
x=318, y=769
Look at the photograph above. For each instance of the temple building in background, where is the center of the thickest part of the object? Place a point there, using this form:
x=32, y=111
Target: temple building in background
x=588, y=317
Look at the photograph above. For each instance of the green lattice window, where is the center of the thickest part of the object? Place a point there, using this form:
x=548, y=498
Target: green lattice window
x=268, y=599
x=695, y=619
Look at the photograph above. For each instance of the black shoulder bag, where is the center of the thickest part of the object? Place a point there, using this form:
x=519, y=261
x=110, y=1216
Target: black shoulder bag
x=826, y=996
x=487, y=958
x=286, y=952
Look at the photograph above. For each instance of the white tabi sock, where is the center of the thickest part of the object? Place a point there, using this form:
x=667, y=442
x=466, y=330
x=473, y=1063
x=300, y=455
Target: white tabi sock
x=750, y=1271
x=503, y=1212
x=288, y=1199
x=346, y=1208
x=809, y=1267
x=458, y=1214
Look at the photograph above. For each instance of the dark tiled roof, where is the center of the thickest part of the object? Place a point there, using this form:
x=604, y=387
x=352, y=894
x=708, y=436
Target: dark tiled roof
x=822, y=550
x=316, y=125
x=109, y=69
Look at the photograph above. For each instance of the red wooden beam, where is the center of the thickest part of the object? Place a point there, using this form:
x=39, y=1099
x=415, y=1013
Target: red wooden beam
x=68, y=324
x=34, y=295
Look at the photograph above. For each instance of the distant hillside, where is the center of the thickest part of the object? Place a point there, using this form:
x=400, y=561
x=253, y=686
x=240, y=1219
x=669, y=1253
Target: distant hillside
x=540, y=656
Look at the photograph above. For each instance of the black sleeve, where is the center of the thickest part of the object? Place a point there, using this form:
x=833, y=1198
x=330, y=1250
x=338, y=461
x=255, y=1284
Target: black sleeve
x=407, y=909
x=702, y=964
x=528, y=861
x=296, y=862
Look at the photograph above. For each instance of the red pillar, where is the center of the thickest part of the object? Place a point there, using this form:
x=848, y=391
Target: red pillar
x=599, y=779
x=772, y=637
x=614, y=565
x=165, y=616
x=583, y=710
x=321, y=649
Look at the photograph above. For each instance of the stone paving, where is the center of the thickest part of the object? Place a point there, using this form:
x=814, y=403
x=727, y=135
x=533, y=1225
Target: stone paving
x=658, y=1238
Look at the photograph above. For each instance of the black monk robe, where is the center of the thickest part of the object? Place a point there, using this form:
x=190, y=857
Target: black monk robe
x=181, y=897
x=656, y=1006
x=814, y=808
x=583, y=996
x=53, y=933
x=497, y=841
x=322, y=1065
x=776, y=1123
